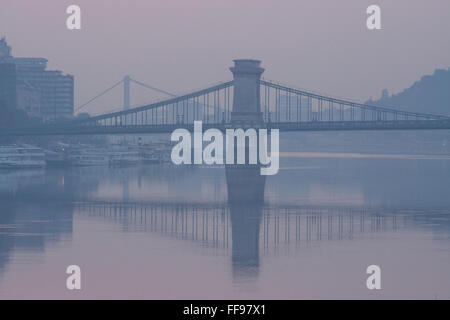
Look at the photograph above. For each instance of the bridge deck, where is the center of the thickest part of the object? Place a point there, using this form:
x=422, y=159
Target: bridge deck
x=282, y=126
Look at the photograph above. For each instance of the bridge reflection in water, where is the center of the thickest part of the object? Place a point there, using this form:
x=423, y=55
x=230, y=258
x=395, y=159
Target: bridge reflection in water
x=244, y=227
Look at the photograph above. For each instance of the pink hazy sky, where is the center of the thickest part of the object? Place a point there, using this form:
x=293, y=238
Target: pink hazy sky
x=181, y=45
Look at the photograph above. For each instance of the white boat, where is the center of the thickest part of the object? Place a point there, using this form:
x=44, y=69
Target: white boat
x=56, y=154
x=151, y=156
x=123, y=156
x=54, y=158
x=88, y=157
x=21, y=157
x=163, y=150
x=157, y=152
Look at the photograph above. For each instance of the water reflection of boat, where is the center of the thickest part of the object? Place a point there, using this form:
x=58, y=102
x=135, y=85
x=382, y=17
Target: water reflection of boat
x=21, y=157
x=12, y=180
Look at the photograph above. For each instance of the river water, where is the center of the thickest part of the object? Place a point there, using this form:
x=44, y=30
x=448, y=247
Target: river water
x=167, y=232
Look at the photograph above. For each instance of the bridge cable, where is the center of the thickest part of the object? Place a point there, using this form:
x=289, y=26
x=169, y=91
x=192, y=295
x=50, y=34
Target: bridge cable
x=98, y=96
x=153, y=88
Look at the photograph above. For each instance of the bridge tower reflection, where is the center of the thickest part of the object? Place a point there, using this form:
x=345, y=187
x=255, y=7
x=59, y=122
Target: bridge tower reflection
x=245, y=231
x=245, y=187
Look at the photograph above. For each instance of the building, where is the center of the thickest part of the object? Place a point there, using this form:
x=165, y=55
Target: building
x=29, y=99
x=47, y=94
x=56, y=88
x=7, y=78
x=5, y=50
x=8, y=81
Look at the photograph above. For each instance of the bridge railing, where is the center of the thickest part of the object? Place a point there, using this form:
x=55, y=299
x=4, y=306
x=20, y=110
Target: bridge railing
x=280, y=103
x=210, y=105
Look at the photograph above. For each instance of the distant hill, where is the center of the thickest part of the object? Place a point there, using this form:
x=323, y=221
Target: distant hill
x=431, y=94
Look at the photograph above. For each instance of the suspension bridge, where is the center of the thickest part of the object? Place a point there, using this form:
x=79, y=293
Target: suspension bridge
x=246, y=101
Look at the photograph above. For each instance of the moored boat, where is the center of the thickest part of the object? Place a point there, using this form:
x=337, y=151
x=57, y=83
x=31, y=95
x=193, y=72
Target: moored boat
x=21, y=157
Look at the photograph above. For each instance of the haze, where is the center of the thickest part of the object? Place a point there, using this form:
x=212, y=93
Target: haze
x=180, y=45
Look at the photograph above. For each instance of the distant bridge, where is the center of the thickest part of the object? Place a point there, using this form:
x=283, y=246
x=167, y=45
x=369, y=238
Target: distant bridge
x=246, y=101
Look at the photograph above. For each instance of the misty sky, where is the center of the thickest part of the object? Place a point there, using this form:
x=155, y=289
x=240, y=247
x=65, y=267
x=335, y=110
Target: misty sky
x=181, y=45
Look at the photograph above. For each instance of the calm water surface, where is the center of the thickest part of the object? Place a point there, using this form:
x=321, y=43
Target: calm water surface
x=171, y=232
